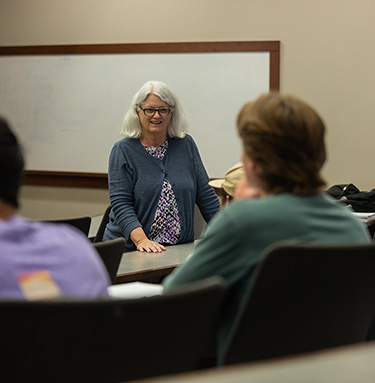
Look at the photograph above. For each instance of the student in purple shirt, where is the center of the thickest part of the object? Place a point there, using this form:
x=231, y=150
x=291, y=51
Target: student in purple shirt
x=40, y=260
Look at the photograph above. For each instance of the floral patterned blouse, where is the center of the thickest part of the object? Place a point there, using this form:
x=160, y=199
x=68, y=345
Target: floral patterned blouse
x=166, y=226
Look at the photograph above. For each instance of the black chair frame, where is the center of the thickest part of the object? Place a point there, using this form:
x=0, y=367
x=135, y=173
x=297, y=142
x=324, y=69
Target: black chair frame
x=111, y=340
x=304, y=298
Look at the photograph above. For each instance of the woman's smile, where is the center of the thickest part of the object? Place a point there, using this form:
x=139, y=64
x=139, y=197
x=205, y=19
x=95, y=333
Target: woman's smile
x=156, y=124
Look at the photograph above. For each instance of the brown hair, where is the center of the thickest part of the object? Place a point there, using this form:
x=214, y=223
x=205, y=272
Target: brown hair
x=285, y=137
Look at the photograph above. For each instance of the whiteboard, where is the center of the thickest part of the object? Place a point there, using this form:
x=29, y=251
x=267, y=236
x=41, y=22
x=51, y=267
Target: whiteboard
x=68, y=109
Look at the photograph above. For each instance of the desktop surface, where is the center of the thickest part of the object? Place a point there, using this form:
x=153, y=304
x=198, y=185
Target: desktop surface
x=137, y=266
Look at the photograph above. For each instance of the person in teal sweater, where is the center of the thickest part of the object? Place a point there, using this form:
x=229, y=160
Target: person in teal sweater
x=283, y=153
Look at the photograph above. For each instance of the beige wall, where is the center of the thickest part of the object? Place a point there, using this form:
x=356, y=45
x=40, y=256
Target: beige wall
x=327, y=58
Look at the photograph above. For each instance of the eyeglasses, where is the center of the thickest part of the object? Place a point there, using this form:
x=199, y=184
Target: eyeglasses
x=150, y=112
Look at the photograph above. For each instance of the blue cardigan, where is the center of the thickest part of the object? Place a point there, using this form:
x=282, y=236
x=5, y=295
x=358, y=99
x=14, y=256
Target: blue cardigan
x=135, y=183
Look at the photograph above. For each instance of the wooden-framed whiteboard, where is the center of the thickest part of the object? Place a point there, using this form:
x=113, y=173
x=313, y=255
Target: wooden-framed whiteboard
x=67, y=102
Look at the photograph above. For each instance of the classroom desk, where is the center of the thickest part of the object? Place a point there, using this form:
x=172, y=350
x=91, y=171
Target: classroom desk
x=137, y=266
x=345, y=365
x=369, y=220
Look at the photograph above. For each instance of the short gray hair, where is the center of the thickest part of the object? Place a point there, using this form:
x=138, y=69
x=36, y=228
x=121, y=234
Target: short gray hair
x=178, y=126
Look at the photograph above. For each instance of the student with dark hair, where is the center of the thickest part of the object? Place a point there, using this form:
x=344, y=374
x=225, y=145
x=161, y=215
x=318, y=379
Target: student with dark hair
x=40, y=260
x=283, y=153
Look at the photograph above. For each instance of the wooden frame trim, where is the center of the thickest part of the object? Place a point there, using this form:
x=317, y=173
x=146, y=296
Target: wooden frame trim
x=66, y=179
x=100, y=180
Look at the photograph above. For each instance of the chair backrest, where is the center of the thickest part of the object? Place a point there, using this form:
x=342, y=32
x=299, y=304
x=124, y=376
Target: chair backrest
x=111, y=252
x=199, y=223
x=81, y=223
x=304, y=298
x=371, y=229
x=110, y=340
x=103, y=224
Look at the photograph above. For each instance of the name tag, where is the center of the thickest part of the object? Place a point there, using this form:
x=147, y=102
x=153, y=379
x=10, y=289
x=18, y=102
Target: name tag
x=38, y=285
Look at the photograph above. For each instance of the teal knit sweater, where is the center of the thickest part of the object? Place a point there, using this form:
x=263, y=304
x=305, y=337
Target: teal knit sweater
x=135, y=182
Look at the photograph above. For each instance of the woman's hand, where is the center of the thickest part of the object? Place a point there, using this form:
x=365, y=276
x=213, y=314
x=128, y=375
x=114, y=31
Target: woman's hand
x=142, y=243
x=150, y=246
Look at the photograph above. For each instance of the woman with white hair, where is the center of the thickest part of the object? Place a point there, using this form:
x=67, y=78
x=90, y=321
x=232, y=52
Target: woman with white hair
x=156, y=175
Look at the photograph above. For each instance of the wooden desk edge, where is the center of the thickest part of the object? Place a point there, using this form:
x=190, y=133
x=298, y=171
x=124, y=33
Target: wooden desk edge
x=144, y=274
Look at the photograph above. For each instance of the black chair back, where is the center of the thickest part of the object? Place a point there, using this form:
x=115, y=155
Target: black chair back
x=305, y=298
x=110, y=340
x=103, y=224
x=81, y=223
x=111, y=253
x=371, y=229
